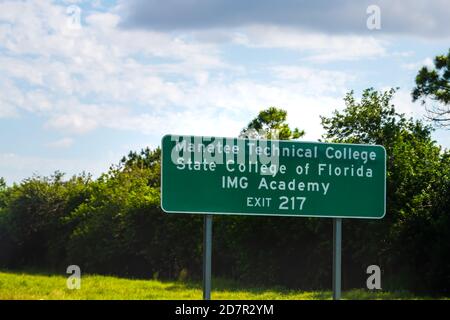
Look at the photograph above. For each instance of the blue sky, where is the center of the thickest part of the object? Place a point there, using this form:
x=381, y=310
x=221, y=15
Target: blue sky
x=78, y=96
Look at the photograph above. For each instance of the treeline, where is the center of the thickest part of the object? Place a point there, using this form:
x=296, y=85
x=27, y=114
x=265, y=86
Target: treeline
x=114, y=224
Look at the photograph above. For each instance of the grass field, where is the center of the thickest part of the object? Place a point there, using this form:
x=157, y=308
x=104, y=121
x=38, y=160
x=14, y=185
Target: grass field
x=16, y=285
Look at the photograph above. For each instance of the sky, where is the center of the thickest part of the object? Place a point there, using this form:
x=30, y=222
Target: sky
x=84, y=82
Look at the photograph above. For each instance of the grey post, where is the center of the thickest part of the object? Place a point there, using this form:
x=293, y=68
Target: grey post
x=337, y=248
x=207, y=246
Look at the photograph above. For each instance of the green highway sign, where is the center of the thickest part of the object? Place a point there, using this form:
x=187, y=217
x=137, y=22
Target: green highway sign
x=216, y=175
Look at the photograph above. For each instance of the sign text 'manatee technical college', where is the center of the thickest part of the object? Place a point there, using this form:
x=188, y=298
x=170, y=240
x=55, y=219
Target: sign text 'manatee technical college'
x=216, y=175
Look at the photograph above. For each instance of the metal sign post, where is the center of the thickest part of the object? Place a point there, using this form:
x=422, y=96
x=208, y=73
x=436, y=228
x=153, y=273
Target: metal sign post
x=337, y=249
x=207, y=246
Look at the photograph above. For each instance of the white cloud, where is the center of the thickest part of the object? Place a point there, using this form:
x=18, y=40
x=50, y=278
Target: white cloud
x=103, y=76
x=61, y=143
x=415, y=66
x=150, y=82
x=99, y=63
x=10, y=98
x=320, y=47
x=403, y=104
x=7, y=110
x=14, y=167
x=76, y=118
x=314, y=79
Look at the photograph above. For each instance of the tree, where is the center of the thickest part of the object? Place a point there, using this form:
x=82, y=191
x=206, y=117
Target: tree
x=122, y=229
x=271, y=124
x=3, y=189
x=35, y=218
x=145, y=159
x=412, y=153
x=435, y=84
x=407, y=241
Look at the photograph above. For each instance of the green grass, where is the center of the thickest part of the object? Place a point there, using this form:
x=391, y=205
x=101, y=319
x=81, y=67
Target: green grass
x=17, y=285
